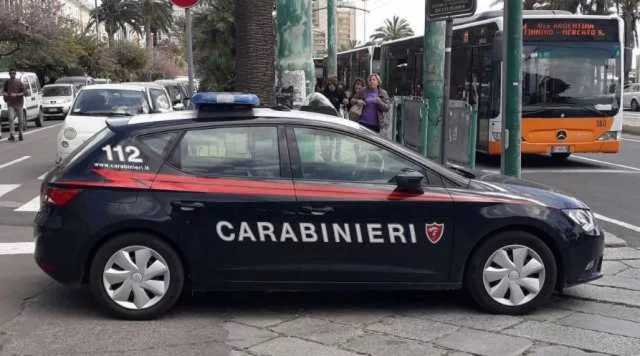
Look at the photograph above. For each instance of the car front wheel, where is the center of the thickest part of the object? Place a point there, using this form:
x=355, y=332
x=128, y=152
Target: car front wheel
x=511, y=273
x=136, y=277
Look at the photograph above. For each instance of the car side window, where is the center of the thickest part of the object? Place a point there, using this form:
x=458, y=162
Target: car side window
x=250, y=152
x=159, y=143
x=331, y=156
x=160, y=101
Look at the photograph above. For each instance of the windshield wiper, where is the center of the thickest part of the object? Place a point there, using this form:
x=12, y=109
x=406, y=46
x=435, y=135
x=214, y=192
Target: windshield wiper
x=120, y=114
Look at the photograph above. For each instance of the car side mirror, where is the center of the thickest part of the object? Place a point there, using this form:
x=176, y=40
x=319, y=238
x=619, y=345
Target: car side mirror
x=410, y=181
x=178, y=107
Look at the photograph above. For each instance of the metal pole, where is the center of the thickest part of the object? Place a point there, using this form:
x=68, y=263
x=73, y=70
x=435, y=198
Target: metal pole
x=332, y=38
x=187, y=15
x=446, y=90
x=97, y=23
x=512, y=103
x=433, y=78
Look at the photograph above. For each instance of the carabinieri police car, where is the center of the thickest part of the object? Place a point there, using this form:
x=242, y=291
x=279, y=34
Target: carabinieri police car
x=232, y=196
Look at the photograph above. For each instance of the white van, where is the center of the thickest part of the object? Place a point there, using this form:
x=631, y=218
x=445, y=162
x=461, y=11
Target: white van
x=32, y=98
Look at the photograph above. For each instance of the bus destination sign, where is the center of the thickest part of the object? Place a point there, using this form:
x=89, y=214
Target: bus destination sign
x=570, y=30
x=443, y=9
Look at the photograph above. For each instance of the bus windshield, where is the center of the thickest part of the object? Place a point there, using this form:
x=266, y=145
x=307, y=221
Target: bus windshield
x=571, y=79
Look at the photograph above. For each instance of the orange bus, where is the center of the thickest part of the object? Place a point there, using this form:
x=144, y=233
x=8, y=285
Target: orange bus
x=572, y=78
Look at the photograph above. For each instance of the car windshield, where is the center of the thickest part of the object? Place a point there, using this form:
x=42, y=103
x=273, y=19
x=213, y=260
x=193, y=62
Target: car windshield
x=111, y=102
x=577, y=80
x=56, y=91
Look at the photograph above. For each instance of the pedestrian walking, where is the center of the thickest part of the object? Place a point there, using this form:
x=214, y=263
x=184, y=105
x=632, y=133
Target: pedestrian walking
x=13, y=93
x=375, y=102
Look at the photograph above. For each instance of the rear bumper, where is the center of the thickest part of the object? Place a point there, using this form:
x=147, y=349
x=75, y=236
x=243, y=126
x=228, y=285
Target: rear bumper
x=575, y=147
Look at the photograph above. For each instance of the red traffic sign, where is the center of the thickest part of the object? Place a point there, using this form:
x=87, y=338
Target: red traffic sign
x=184, y=3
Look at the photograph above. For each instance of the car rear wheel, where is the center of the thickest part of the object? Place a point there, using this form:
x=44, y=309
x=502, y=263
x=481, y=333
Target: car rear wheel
x=511, y=273
x=136, y=277
x=634, y=105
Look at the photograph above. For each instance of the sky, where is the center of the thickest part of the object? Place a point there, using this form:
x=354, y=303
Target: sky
x=412, y=10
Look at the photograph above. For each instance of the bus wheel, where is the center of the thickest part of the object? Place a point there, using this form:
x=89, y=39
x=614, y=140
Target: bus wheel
x=634, y=105
x=560, y=156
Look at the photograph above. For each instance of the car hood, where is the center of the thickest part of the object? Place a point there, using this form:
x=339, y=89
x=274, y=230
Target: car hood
x=56, y=100
x=521, y=189
x=86, y=125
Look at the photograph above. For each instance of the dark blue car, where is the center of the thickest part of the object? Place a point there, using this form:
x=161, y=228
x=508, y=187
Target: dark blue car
x=234, y=197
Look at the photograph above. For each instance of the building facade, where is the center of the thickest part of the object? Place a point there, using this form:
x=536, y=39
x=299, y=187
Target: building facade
x=345, y=26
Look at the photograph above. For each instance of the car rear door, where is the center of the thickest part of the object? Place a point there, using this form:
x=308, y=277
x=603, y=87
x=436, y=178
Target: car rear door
x=367, y=230
x=229, y=190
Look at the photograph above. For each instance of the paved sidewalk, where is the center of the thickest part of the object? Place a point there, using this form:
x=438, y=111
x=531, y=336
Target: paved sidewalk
x=602, y=317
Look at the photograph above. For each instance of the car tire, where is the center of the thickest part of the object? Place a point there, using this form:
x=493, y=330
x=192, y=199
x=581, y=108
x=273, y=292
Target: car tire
x=634, y=105
x=143, y=297
x=560, y=156
x=501, y=290
x=39, y=119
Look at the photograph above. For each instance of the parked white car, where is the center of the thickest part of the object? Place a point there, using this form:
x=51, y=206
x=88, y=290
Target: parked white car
x=57, y=100
x=94, y=104
x=32, y=98
x=631, y=97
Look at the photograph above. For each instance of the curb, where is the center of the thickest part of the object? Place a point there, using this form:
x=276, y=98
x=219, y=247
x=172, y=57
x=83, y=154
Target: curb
x=631, y=129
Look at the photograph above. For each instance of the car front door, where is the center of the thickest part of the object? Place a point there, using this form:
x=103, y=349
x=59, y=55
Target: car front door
x=230, y=191
x=366, y=230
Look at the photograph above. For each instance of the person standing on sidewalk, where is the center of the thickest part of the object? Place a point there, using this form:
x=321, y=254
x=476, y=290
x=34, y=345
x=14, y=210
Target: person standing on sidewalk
x=13, y=93
x=376, y=103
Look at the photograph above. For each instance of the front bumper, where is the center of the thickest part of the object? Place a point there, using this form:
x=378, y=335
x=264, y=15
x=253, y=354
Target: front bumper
x=583, y=260
x=49, y=111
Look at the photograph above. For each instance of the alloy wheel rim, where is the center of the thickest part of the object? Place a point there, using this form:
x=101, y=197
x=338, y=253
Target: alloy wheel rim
x=514, y=275
x=136, y=277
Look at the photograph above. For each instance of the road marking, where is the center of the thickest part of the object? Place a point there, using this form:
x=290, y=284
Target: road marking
x=43, y=175
x=608, y=163
x=34, y=131
x=15, y=161
x=6, y=188
x=32, y=205
x=17, y=248
x=618, y=222
x=630, y=139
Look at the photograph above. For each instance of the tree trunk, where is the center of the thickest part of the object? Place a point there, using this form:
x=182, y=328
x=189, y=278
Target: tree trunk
x=148, y=35
x=255, y=48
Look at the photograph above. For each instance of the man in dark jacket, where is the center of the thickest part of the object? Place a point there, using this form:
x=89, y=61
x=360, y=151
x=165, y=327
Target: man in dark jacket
x=13, y=94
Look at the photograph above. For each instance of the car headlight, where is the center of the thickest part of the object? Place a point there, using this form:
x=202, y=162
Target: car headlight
x=610, y=135
x=70, y=133
x=584, y=219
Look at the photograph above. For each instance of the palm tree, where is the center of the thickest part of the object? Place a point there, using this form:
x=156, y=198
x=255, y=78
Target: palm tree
x=157, y=17
x=255, y=48
x=393, y=29
x=116, y=15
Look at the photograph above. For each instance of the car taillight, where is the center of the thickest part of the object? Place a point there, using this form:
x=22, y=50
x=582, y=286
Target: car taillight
x=60, y=196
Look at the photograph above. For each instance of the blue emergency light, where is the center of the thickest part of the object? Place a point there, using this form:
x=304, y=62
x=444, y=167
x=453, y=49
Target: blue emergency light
x=211, y=100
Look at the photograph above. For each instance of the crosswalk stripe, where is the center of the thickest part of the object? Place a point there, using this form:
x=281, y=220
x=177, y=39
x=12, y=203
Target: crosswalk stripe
x=32, y=205
x=14, y=161
x=17, y=248
x=6, y=188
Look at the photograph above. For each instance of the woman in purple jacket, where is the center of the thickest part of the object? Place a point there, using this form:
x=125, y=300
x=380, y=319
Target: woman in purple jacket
x=375, y=103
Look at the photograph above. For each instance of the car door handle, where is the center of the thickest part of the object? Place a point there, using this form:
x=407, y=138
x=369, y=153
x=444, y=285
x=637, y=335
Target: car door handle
x=308, y=210
x=188, y=206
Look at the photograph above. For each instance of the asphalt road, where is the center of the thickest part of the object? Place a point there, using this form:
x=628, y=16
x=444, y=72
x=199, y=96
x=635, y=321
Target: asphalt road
x=37, y=314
